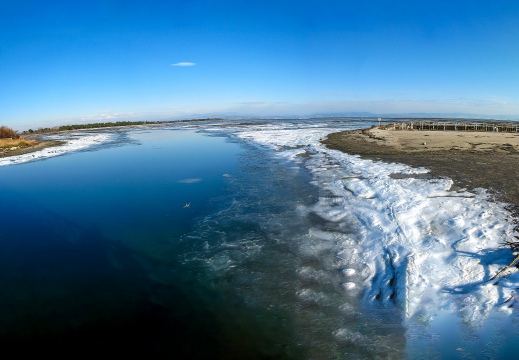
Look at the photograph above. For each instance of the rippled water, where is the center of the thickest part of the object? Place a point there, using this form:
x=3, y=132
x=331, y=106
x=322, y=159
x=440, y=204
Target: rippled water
x=233, y=240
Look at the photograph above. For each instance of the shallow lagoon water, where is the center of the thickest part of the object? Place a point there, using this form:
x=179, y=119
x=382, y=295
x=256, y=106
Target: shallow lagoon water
x=90, y=244
x=284, y=252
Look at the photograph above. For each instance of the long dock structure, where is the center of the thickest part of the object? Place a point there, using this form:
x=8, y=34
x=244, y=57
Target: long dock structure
x=453, y=126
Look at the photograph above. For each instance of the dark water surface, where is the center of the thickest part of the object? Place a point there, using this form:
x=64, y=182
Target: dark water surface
x=100, y=257
x=90, y=247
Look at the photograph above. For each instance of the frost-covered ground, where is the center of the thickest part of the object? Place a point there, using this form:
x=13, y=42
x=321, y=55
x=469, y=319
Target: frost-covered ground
x=416, y=244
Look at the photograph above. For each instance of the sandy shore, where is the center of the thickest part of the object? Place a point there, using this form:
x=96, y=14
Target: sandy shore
x=472, y=159
x=420, y=141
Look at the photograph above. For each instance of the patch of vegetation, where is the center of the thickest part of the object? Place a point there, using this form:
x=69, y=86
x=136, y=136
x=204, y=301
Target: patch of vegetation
x=8, y=133
x=7, y=143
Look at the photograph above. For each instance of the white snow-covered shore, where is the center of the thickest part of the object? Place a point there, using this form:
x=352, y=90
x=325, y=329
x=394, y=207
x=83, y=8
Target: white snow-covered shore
x=415, y=242
x=73, y=142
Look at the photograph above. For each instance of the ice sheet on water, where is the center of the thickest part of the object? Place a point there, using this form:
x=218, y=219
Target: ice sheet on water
x=418, y=244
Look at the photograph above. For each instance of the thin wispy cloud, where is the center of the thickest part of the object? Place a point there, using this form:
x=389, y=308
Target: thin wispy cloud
x=184, y=63
x=189, y=181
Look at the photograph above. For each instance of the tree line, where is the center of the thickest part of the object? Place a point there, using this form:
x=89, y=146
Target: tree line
x=86, y=126
x=99, y=125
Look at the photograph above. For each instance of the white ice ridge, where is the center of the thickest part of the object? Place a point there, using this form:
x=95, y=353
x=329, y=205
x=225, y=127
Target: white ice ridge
x=73, y=142
x=408, y=241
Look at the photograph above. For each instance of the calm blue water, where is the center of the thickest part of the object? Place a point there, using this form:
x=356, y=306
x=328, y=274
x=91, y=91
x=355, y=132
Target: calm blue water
x=142, y=182
x=100, y=256
x=91, y=244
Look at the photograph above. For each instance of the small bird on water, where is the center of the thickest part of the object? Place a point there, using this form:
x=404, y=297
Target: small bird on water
x=186, y=206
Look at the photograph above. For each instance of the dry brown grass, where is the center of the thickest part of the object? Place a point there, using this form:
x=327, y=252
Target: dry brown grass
x=9, y=143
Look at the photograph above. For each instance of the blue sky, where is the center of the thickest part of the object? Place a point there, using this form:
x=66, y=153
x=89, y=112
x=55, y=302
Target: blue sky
x=87, y=61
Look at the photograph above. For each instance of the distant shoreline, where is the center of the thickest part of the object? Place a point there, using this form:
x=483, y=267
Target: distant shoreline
x=471, y=159
x=488, y=160
x=35, y=136
x=107, y=125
